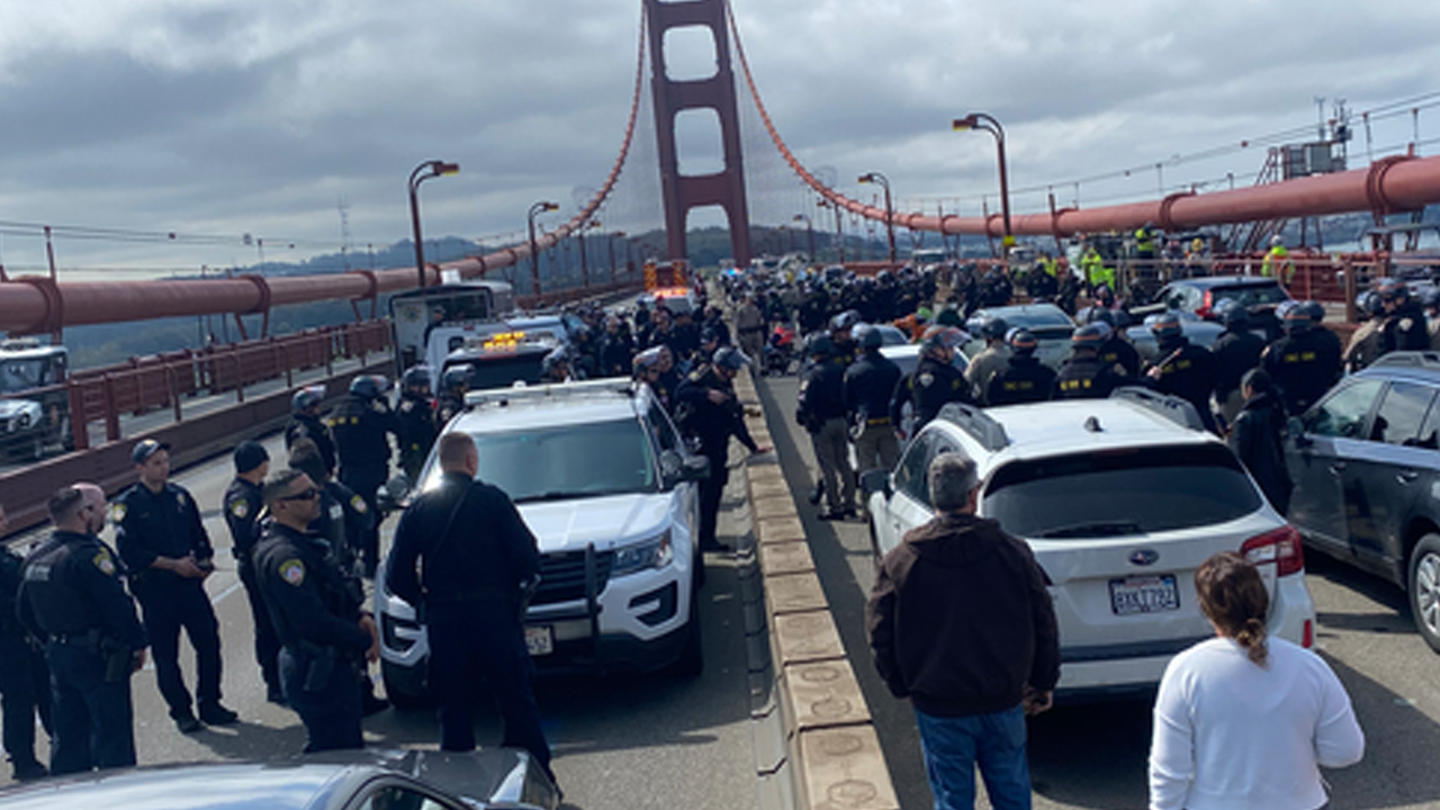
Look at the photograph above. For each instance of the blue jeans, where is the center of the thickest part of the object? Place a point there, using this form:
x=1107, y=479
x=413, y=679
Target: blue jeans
x=953, y=746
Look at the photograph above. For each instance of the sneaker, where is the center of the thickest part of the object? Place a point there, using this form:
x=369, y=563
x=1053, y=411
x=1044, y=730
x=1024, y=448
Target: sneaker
x=187, y=723
x=817, y=493
x=216, y=715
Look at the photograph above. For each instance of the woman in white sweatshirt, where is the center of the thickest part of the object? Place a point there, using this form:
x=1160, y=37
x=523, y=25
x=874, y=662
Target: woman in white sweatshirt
x=1242, y=721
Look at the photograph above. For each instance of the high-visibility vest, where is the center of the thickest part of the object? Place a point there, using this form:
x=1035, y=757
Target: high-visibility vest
x=1144, y=241
x=1278, y=255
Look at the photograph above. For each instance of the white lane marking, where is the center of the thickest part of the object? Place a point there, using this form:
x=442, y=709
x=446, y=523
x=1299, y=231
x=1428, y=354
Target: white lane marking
x=234, y=586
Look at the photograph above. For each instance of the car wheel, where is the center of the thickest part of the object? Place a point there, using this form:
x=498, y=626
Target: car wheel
x=1425, y=588
x=692, y=658
x=399, y=698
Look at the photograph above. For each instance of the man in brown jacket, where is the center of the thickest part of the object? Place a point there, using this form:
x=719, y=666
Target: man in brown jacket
x=961, y=623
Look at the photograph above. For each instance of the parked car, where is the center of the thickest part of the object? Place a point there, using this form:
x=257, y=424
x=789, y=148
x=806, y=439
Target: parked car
x=34, y=404
x=1203, y=296
x=1047, y=322
x=608, y=487
x=1367, y=477
x=1120, y=499
x=361, y=780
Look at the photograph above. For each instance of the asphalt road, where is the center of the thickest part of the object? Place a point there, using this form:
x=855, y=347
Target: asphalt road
x=1094, y=756
x=620, y=742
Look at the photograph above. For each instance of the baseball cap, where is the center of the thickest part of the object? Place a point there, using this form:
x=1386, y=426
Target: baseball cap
x=147, y=448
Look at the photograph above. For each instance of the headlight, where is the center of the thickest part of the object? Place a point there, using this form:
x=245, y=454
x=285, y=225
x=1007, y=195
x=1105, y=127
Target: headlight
x=653, y=553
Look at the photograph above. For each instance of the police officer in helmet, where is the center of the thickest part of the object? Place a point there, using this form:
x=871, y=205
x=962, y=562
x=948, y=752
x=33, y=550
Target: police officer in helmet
x=1084, y=375
x=1404, y=328
x=164, y=544
x=454, y=383
x=71, y=598
x=242, y=506
x=820, y=409
x=989, y=361
x=1236, y=351
x=842, y=328
x=306, y=423
x=323, y=631
x=1024, y=378
x=935, y=380
x=360, y=424
x=869, y=384
x=416, y=414
x=1116, y=350
x=1301, y=364
x=1184, y=369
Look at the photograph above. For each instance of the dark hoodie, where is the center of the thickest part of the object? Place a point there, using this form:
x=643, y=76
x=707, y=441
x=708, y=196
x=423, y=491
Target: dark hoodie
x=960, y=620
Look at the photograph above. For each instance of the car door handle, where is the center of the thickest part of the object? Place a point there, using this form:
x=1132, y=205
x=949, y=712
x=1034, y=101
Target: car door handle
x=1338, y=467
x=1407, y=476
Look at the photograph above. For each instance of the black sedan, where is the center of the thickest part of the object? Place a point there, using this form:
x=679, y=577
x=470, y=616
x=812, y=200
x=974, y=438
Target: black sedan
x=1206, y=297
x=352, y=780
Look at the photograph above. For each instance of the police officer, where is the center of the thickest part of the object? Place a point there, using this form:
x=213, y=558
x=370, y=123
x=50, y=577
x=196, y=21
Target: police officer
x=168, y=553
x=306, y=423
x=1236, y=351
x=241, y=507
x=1084, y=375
x=1404, y=328
x=477, y=557
x=989, y=361
x=708, y=409
x=1024, y=378
x=71, y=598
x=416, y=414
x=1184, y=369
x=1364, y=345
x=360, y=424
x=820, y=409
x=935, y=380
x=842, y=328
x=323, y=631
x=454, y=383
x=869, y=384
x=24, y=678
x=1301, y=364
x=1116, y=350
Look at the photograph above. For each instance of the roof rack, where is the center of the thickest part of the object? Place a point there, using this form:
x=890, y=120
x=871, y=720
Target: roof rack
x=978, y=424
x=1411, y=359
x=521, y=392
x=1175, y=409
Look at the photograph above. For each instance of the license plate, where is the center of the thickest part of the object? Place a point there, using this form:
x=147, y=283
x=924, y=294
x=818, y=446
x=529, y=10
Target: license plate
x=1133, y=595
x=539, y=640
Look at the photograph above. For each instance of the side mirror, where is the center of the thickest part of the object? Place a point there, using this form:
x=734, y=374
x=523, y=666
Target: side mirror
x=872, y=481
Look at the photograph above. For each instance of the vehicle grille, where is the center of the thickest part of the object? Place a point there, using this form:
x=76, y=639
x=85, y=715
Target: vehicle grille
x=562, y=576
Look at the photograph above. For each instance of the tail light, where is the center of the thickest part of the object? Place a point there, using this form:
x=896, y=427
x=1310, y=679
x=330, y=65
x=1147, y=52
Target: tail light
x=1206, y=309
x=1280, y=548
x=1307, y=636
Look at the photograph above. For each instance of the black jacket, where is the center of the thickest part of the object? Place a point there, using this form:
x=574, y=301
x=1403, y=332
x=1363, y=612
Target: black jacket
x=242, y=506
x=1024, y=379
x=1235, y=353
x=960, y=620
x=359, y=426
x=1189, y=372
x=305, y=426
x=1256, y=441
x=415, y=417
x=869, y=384
x=822, y=395
x=1303, y=365
x=71, y=585
x=1405, y=330
x=163, y=524
x=712, y=424
x=305, y=591
x=928, y=388
x=1085, y=378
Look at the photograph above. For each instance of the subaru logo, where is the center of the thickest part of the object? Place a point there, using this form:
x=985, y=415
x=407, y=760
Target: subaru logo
x=1144, y=557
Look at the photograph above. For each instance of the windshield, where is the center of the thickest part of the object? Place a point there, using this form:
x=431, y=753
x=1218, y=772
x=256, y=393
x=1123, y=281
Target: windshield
x=567, y=462
x=1118, y=493
x=21, y=375
x=1250, y=295
x=502, y=371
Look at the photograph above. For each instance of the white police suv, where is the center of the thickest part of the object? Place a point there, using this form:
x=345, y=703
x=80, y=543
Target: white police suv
x=607, y=486
x=1120, y=499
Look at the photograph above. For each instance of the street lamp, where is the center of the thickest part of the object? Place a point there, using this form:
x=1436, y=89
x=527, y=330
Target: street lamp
x=809, y=234
x=877, y=177
x=423, y=172
x=537, y=208
x=987, y=123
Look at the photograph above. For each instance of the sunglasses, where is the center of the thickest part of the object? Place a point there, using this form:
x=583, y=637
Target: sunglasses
x=304, y=495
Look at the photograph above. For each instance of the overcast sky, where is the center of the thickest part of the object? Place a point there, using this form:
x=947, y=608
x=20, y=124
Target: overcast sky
x=227, y=117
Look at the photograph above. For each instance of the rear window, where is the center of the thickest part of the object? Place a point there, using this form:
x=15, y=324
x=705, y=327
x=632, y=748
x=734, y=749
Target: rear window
x=1250, y=294
x=1119, y=493
x=503, y=370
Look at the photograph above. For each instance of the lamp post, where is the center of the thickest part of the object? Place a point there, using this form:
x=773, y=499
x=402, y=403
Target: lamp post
x=537, y=208
x=987, y=123
x=809, y=235
x=423, y=172
x=877, y=177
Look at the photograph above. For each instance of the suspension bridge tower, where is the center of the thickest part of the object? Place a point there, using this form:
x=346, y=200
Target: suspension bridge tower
x=725, y=188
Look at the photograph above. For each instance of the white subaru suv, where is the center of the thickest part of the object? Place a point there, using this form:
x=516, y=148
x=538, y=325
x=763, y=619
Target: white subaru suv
x=606, y=484
x=1120, y=499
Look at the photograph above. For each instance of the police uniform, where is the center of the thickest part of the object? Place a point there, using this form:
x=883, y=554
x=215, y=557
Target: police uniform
x=1117, y=351
x=1024, y=379
x=167, y=524
x=71, y=597
x=1236, y=352
x=713, y=425
x=308, y=426
x=933, y=384
x=869, y=384
x=1189, y=372
x=1303, y=366
x=477, y=556
x=820, y=409
x=416, y=416
x=317, y=621
x=1405, y=330
x=242, y=505
x=447, y=405
x=24, y=678
x=1085, y=378
x=359, y=426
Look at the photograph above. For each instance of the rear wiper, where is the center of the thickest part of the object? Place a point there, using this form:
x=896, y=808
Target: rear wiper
x=1115, y=529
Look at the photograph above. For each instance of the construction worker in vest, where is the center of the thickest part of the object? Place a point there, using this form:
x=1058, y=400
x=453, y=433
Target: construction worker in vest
x=1278, y=258
x=1093, y=267
x=1145, y=251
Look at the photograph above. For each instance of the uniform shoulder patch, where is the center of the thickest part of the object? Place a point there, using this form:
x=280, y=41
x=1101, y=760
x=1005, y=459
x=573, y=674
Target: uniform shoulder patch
x=117, y=513
x=358, y=504
x=180, y=500
x=240, y=508
x=293, y=572
x=927, y=379
x=104, y=562
x=407, y=406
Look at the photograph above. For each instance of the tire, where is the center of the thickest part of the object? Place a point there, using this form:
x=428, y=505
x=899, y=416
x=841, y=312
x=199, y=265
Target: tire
x=691, y=662
x=1424, y=587
x=399, y=698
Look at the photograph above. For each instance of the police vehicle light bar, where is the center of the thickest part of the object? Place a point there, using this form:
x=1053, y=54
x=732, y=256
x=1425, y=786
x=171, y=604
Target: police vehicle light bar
x=501, y=397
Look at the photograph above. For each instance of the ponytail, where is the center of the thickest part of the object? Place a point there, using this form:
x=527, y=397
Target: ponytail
x=1233, y=596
